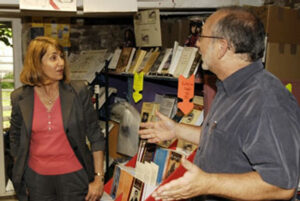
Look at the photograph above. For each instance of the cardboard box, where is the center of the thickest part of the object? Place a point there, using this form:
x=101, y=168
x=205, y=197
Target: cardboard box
x=283, y=60
x=282, y=24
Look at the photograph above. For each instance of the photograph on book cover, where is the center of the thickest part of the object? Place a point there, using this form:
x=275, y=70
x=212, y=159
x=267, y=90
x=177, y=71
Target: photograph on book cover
x=137, y=190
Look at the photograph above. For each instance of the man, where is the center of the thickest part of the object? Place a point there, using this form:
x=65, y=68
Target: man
x=249, y=144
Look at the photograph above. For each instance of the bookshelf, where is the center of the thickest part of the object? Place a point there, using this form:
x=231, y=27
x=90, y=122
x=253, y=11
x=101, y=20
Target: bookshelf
x=152, y=85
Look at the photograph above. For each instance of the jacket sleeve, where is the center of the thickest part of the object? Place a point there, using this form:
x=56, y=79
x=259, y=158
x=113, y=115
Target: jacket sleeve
x=94, y=134
x=15, y=124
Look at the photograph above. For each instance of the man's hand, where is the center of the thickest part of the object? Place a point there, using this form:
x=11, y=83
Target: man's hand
x=95, y=190
x=162, y=130
x=193, y=183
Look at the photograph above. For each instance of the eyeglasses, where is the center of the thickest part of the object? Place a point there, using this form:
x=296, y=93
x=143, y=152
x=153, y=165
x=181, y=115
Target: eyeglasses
x=215, y=37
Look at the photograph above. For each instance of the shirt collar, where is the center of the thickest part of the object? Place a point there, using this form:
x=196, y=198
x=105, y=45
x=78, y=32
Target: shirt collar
x=233, y=83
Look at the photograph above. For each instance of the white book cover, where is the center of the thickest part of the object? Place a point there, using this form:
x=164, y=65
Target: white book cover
x=175, y=60
x=187, y=69
x=114, y=60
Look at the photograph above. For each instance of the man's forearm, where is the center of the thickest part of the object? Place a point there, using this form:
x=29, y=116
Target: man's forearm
x=247, y=186
x=187, y=132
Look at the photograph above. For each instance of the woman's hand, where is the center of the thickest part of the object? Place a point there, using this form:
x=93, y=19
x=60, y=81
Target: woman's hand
x=95, y=190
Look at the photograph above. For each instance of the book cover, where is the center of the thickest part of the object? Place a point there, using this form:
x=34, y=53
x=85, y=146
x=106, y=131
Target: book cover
x=166, y=104
x=116, y=178
x=141, y=149
x=165, y=64
x=114, y=60
x=125, y=182
x=158, y=61
x=173, y=162
x=175, y=60
x=160, y=158
x=124, y=59
x=140, y=54
x=185, y=61
x=148, y=111
x=136, y=190
x=185, y=147
x=149, y=152
x=195, y=117
x=154, y=55
x=145, y=60
x=195, y=64
x=130, y=59
x=172, y=62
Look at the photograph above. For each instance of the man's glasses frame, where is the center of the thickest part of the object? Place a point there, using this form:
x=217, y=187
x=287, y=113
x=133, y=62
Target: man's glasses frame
x=215, y=37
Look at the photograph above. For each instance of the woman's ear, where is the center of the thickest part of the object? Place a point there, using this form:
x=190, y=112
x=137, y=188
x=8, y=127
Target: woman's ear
x=223, y=47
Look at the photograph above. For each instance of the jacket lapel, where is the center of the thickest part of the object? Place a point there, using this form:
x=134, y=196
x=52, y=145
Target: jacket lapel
x=66, y=100
x=26, y=107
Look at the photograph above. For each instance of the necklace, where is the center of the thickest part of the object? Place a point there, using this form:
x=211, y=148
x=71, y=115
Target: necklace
x=49, y=99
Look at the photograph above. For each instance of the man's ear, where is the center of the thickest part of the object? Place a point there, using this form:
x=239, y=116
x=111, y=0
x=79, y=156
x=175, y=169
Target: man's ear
x=223, y=47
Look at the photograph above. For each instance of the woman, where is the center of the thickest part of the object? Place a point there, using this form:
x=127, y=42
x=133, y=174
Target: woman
x=51, y=118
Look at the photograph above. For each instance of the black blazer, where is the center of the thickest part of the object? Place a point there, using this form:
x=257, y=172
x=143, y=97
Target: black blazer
x=79, y=120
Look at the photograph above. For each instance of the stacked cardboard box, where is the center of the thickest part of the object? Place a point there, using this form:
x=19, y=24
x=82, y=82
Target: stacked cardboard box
x=282, y=26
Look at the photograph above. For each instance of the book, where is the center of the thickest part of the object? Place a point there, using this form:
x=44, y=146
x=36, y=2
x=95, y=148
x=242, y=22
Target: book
x=87, y=64
x=195, y=65
x=114, y=60
x=124, y=59
x=198, y=102
x=160, y=158
x=148, y=152
x=145, y=60
x=136, y=190
x=148, y=111
x=185, y=62
x=166, y=61
x=167, y=104
x=139, y=56
x=185, y=147
x=158, y=61
x=195, y=117
x=154, y=55
x=130, y=59
x=125, y=182
x=116, y=178
x=141, y=149
x=173, y=162
x=174, y=61
x=166, y=65
x=147, y=173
